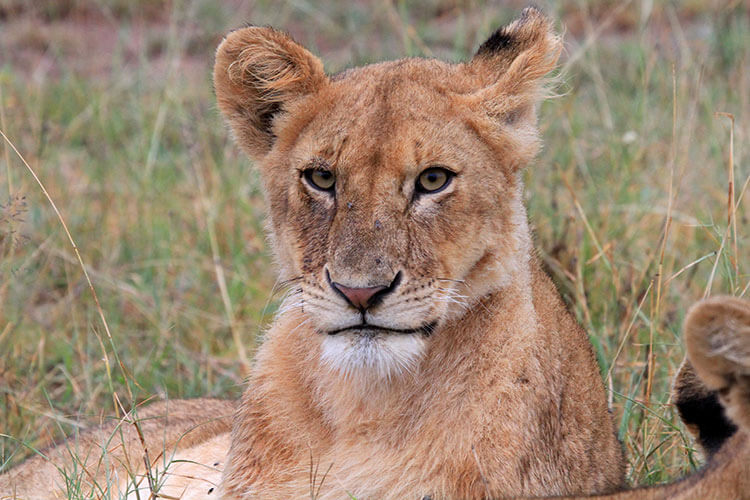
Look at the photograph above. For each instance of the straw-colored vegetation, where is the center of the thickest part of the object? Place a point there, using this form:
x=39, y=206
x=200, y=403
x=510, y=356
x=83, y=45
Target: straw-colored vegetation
x=639, y=199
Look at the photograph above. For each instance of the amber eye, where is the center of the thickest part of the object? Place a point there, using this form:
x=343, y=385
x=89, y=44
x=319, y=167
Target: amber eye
x=320, y=179
x=434, y=179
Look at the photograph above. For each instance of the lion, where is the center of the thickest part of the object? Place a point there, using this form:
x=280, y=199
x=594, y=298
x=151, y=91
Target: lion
x=711, y=390
x=421, y=352
x=712, y=395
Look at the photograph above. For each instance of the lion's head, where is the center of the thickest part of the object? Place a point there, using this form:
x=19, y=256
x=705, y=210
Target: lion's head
x=394, y=189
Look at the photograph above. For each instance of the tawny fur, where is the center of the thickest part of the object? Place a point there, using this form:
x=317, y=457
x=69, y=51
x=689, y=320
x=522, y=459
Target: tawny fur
x=717, y=341
x=499, y=395
x=110, y=459
x=504, y=397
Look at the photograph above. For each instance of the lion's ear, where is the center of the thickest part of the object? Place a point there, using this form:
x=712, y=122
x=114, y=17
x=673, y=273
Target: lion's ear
x=258, y=72
x=511, y=64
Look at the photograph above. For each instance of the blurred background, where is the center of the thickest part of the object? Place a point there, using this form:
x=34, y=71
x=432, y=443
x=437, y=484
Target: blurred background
x=638, y=199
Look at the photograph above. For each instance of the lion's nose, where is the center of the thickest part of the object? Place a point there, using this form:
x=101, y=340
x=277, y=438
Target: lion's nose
x=362, y=298
x=358, y=297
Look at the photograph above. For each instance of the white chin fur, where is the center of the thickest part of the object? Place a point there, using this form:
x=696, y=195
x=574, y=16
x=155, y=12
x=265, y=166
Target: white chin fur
x=382, y=356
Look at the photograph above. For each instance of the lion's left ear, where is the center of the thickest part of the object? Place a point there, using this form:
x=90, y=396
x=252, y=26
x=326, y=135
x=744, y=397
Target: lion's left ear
x=512, y=64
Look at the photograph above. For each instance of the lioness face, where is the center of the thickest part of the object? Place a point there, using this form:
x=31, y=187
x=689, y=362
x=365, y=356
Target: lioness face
x=387, y=209
x=394, y=189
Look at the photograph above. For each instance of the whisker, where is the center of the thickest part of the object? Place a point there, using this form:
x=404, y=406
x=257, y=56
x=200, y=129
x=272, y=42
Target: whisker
x=451, y=293
x=303, y=323
x=290, y=301
x=290, y=307
x=399, y=308
x=291, y=280
x=449, y=279
x=279, y=285
x=323, y=303
x=451, y=296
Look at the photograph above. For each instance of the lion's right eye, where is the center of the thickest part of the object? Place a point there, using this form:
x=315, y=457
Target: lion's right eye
x=323, y=180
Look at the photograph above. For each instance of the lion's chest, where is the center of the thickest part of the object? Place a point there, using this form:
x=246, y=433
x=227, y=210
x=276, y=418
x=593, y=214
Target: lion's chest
x=430, y=451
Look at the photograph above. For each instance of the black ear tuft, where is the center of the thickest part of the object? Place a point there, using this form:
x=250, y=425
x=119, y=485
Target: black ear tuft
x=512, y=63
x=500, y=40
x=531, y=28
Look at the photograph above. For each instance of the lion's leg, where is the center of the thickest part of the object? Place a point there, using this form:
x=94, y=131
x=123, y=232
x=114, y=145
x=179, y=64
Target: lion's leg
x=190, y=474
x=110, y=458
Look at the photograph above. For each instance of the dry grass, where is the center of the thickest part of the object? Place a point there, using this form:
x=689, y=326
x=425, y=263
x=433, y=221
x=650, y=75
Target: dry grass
x=639, y=199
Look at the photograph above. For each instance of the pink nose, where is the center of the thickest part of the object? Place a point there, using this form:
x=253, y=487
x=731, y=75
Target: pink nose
x=358, y=297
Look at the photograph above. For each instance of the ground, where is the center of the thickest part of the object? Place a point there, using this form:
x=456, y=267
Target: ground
x=110, y=103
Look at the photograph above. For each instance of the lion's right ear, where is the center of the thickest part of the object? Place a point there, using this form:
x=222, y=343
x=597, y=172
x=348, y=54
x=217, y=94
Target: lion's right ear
x=258, y=72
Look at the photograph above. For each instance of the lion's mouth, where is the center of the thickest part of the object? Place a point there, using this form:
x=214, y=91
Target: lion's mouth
x=370, y=330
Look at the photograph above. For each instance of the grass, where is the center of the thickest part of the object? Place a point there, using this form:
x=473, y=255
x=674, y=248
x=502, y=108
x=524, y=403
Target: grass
x=111, y=104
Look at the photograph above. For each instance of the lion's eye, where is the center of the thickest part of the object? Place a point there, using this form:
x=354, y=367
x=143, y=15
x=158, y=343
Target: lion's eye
x=320, y=179
x=434, y=179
